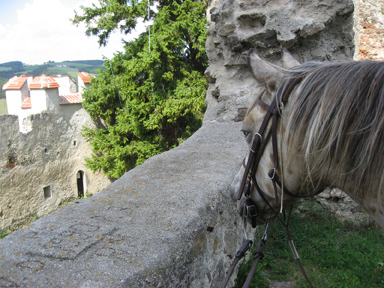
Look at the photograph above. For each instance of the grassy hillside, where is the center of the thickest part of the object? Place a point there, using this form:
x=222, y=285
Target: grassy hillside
x=3, y=107
x=2, y=82
x=71, y=68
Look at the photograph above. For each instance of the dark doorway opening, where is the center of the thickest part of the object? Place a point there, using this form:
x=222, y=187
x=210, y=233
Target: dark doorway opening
x=80, y=184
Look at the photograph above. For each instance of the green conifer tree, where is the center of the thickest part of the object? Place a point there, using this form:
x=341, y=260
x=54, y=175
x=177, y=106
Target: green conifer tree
x=151, y=100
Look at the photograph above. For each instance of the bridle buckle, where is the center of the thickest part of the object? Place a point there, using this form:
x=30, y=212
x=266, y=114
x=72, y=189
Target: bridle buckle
x=249, y=210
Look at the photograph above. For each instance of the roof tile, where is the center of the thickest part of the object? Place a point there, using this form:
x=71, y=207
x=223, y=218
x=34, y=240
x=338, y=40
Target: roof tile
x=73, y=98
x=16, y=82
x=85, y=77
x=26, y=103
x=43, y=82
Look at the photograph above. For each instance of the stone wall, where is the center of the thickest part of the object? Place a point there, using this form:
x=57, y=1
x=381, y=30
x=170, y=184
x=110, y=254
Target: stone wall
x=167, y=223
x=170, y=222
x=44, y=161
x=318, y=30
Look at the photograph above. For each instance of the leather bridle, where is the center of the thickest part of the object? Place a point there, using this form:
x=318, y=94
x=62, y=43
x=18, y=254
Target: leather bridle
x=250, y=212
x=256, y=151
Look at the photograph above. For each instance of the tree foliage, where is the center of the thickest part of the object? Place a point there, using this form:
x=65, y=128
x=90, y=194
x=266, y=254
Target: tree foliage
x=148, y=100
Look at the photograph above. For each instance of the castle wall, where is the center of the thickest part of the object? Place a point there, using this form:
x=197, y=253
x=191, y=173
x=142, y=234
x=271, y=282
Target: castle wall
x=48, y=157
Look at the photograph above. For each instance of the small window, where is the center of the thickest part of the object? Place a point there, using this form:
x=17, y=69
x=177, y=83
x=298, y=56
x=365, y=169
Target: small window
x=74, y=143
x=47, y=192
x=12, y=160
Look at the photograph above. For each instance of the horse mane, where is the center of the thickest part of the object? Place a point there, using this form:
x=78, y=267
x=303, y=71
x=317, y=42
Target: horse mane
x=338, y=117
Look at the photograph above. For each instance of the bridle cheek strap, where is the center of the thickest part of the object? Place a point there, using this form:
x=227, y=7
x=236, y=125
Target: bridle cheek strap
x=255, y=153
x=250, y=168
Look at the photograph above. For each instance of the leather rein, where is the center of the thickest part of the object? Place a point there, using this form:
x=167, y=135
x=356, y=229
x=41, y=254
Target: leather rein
x=249, y=177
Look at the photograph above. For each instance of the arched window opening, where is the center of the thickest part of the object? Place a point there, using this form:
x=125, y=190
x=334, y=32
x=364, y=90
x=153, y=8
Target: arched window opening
x=80, y=183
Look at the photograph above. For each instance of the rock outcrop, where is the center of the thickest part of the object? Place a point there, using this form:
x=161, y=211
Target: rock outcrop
x=320, y=30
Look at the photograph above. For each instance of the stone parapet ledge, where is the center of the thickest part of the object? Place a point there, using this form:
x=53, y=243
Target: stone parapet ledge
x=167, y=223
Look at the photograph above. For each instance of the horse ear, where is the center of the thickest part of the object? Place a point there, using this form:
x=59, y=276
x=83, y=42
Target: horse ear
x=288, y=60
x=264, y=72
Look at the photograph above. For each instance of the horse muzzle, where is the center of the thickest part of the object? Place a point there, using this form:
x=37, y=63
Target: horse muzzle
x=246, y=207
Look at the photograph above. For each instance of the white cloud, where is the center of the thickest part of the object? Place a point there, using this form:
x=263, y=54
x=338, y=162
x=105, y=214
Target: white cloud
x=44, y=32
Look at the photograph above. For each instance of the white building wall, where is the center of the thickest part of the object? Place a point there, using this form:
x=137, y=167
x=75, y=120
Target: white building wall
x=81, y=85
x=14, y=101
x=25, y=124
x=38, y=101
x=46, y=99
x=25, y=112
x=53, y=100
x=67, y=85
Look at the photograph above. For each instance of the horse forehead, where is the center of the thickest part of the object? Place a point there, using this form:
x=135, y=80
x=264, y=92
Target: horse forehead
x=252, y=117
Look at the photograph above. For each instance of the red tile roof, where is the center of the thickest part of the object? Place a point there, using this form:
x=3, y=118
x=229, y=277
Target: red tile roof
x=85, y=77
x=16, y=82
x=73, y=98
x=26, y=103
x=43, y=82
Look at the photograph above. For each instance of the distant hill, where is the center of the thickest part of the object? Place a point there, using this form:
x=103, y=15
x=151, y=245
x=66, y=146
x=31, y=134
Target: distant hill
x=12, y=64
x=71, y=68
x=2, y=82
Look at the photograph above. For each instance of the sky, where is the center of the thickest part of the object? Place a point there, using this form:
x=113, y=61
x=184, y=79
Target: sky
x=38, y=31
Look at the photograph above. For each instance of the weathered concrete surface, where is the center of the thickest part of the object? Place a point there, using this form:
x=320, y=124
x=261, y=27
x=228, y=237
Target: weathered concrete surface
x=148, y=229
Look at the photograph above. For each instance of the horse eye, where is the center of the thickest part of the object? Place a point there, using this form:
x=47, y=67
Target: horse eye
x=246, y=133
